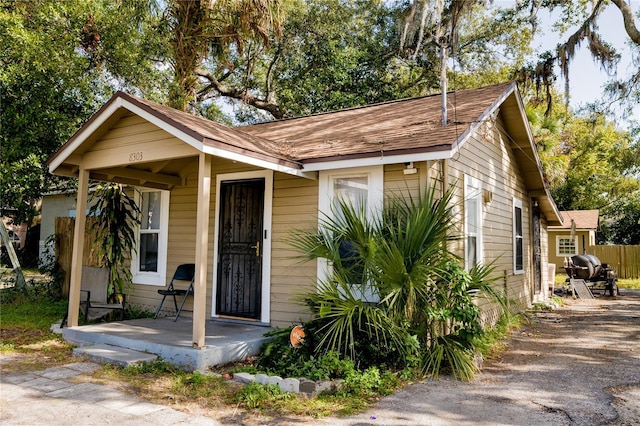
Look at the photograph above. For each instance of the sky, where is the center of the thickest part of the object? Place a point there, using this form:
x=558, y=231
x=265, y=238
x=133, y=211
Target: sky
x=586, y=77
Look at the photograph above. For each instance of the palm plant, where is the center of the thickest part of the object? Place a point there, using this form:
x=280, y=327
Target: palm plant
x=412, y=253
x=419, y=297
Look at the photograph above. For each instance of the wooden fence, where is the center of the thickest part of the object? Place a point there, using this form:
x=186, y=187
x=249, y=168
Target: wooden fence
x=64, y=229
x=624, y=259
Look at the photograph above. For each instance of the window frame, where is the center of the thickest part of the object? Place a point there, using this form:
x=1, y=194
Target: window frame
x=566, y=237
x=375, y=202
x=159, y=277
x=518, y=239
x=473, y=191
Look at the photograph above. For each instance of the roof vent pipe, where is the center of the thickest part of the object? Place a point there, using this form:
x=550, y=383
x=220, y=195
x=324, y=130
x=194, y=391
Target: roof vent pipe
x=444, y=45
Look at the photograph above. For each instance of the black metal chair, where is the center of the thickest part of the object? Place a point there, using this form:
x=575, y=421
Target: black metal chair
x=184, y=272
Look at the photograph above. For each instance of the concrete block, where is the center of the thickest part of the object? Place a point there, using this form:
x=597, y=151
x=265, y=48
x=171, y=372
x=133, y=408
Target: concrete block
x=262, y=379
x=290, y=385
x=244, y=377
x=274, y=380
x=110, y=354
x=307, y=387
x=325, y=385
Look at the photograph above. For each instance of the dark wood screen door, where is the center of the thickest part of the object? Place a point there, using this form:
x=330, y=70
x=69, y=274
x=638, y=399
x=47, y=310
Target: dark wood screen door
x=239, y=281
x=537, y=251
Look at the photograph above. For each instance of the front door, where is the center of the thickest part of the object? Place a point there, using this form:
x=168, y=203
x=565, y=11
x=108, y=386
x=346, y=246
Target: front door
x=239, y=278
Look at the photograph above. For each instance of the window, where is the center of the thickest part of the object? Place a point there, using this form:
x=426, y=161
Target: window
x=472, y=222
x=566, y=246
x=149, y=261
x=518, y=237
x=363, y=188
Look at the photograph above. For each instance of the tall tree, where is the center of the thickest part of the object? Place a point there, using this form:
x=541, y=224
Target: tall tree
x=472, y=40
x=204, y=37
x=46, y=90
x=339, y=54
x=59, y=62
x=584, y=15
x=590, y=165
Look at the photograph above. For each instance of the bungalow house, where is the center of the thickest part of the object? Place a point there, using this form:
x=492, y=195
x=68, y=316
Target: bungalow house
x=225, y=198
x=574, y=236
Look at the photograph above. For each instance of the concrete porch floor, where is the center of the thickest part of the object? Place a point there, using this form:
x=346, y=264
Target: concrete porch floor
x=172, y=341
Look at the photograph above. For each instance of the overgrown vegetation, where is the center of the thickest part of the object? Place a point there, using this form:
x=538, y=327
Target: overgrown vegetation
x=25, y=319
x=395, y=297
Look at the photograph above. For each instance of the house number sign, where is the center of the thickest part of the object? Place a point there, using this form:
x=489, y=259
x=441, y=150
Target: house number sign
x=135, y=156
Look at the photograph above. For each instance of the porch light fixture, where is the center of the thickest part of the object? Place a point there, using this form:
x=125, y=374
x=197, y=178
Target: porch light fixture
x=409, y=170
x=487, y=196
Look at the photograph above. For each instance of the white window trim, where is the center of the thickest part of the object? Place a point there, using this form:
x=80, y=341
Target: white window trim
x=566, y=237
x=158, y=278
x=518, y=204
x=265, y=306
x=476, y=184
x=375, y=201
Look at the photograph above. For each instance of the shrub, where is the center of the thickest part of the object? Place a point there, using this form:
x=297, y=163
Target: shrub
x=422, y=305
x=280, y=358
x=255, y=395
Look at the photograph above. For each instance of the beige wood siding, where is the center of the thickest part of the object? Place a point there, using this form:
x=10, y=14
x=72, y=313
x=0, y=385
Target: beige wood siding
x=131, y=135
x=182, y=233
x=487, y=156
x=553, y=245
x=295, y=206
x=295, y=202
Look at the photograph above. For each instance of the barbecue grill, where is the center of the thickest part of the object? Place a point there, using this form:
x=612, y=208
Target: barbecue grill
x=597, y=276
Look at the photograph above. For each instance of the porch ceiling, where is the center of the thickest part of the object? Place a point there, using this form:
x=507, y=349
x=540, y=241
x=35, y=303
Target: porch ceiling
x=163, y=174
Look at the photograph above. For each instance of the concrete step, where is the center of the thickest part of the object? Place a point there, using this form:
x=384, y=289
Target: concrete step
x=110, y=354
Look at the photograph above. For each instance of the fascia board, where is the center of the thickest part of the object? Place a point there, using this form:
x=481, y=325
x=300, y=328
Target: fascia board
x=377, y=160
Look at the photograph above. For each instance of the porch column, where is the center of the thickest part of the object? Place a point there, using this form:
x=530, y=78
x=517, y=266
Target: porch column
x=78, y=248
x=202, y=245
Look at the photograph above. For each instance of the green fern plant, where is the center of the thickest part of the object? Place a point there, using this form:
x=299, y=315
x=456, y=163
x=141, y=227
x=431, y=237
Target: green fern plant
x=117, y=217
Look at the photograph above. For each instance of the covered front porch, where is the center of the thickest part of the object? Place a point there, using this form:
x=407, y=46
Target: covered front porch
x=172, y=341
x=184, y=160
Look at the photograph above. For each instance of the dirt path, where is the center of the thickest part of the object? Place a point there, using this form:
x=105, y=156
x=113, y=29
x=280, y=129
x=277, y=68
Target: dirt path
x=577, y=365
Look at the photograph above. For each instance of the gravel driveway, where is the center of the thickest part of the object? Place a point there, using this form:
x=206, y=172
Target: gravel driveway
x=576, y=365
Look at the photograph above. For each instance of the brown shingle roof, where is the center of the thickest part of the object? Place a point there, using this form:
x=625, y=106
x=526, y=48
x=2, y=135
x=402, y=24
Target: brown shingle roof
x=397, y=127
x=212, y=133
x=584, y=219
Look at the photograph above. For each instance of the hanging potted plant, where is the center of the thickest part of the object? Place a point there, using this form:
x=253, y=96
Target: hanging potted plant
x=116, y=218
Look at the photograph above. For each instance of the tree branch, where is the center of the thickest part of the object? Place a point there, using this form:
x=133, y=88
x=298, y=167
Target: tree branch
x=241, y=94
x=629, y=23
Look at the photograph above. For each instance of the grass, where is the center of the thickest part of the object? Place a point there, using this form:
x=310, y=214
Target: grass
x=161, y=383
x=492, y=344
x=25, y=319
x=629, y=283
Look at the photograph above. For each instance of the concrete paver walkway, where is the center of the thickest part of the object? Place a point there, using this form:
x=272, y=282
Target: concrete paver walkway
x=51, y=397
